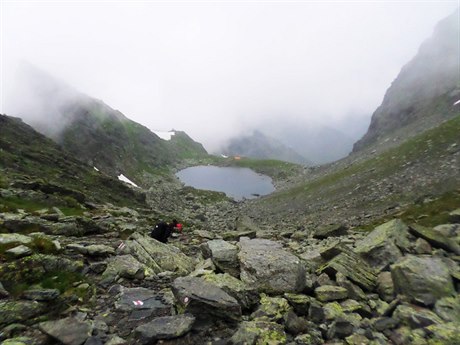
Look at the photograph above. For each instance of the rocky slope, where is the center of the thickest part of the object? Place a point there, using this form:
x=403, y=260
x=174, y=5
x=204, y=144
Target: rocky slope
x=104, y=281
x=424, y=93
x=259, y=145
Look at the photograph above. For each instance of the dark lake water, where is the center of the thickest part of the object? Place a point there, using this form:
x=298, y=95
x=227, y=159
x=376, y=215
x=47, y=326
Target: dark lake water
x=237, y=183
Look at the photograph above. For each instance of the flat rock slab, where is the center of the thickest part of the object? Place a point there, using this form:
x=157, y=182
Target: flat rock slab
x=269, y=268
x=18, y=252
x=167, y=327
x=205, y=300
x=141, y=302
x=41, y=294
x=69, y=331
x=330, y=231
x=423, y=279
x=14, y=238
x=435, y=238
x=328, y=293
x=353, y=267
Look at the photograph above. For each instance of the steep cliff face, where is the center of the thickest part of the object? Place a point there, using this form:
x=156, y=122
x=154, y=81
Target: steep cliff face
x=425, y=91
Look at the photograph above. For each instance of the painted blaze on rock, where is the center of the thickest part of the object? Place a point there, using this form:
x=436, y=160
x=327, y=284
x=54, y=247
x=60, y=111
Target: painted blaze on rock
x=268, y=267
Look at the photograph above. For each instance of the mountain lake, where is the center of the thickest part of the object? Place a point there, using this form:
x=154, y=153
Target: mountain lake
x=236, y=183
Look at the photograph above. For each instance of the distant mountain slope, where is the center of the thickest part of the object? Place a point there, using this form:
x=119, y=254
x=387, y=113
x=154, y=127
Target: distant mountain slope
x=28, y=157
x=355, y=191
x=259, y=145
x=424, y=92
x=97, y=134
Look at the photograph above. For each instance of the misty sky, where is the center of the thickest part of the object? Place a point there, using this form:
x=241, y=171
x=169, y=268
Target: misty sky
x=215, y=68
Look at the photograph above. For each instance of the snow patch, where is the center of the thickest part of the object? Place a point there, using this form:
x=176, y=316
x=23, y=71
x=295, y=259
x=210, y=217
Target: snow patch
x=96, y=169
x=458, y=102
x=165, y=135
x=123, y=178
x=223, y=156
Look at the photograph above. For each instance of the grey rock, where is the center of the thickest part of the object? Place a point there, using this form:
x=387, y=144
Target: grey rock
x=18, y=252
x=140, y=302
x=69, y=331
x=341, y=328
x=415, y=317
x=246, y=295
x=329, y=231
x=383, y=245
x=99, y=250
x=328, y=293
x=19, y=311
x=41, y=294
x=385, y=286
x=353, y=267
x=125, y=266
x=271, y=308
x=3, y=292
x=269, y=268
x=296, y=325
x=435, y=238
x=258, y=332
x=423, y=279
x=157, y=256
x=224, y=255
x=300, y=303
x=94, y=341
x=448, y=308
x=204, y=300
x=167, y=327
x=115, y=340
x=8, y=239
x=422, y=246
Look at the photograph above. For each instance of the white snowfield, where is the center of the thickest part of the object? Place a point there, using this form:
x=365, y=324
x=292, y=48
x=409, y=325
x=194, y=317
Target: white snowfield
x=458, y=102
x=165, y=135
x=123, y=178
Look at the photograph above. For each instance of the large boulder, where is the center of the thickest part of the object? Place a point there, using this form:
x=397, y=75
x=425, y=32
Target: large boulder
x=20, y=311
x=383, y=245
x=435, y=238
x=158, y=256
x=68, y=331
x=267, y=266
x=423, y=279
x=224, y=255
x=247, y=296
x=204, y=300
x=330, y=231
x=353, y=267
x=166, y=327
x=124, y=266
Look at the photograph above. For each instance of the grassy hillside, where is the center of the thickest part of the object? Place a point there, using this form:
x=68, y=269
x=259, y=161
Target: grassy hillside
x=32, y=161
x=425, y=166
x=105, y=138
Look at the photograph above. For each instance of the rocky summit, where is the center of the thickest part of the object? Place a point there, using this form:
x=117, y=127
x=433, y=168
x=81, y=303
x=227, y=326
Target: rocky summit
x=363, y=251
